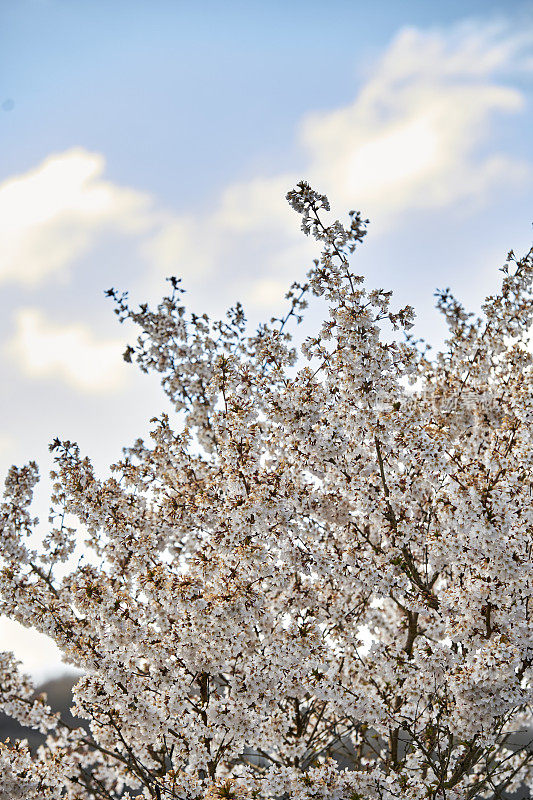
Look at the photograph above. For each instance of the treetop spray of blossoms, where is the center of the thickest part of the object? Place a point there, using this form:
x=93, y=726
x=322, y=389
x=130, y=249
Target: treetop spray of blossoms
x=317, y=584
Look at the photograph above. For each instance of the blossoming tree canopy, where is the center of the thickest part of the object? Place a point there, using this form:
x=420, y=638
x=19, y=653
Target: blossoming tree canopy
x=319, y=584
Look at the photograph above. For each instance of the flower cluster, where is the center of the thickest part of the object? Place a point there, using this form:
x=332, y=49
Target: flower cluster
x=314, y=582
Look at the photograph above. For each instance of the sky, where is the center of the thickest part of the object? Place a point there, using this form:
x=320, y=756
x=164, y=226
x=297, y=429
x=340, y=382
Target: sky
x=146, y=139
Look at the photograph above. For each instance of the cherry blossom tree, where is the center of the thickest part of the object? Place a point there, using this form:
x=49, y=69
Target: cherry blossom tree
x=314, y=582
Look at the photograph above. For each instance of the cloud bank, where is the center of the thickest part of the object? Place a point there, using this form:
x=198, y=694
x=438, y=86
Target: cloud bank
x=38, y=653
x=416, y=136
x=69, y=353
x=412, y=138
x=54, y=214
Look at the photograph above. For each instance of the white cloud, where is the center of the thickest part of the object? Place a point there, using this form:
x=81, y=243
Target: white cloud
x=250, y=227
x=43, y=349
x=245, y=211
x=53, y=214
x=413, y=138
x=6, y=444
x=266, y=292
x=40, y=656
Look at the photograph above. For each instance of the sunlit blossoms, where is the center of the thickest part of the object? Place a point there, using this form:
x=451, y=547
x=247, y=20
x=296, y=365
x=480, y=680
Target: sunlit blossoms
x=315, y=581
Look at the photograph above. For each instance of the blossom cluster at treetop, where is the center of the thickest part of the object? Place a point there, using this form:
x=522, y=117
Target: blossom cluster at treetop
x=314, y=581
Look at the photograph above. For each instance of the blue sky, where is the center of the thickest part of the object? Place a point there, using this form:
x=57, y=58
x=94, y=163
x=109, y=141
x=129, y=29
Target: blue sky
x=142, y=139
